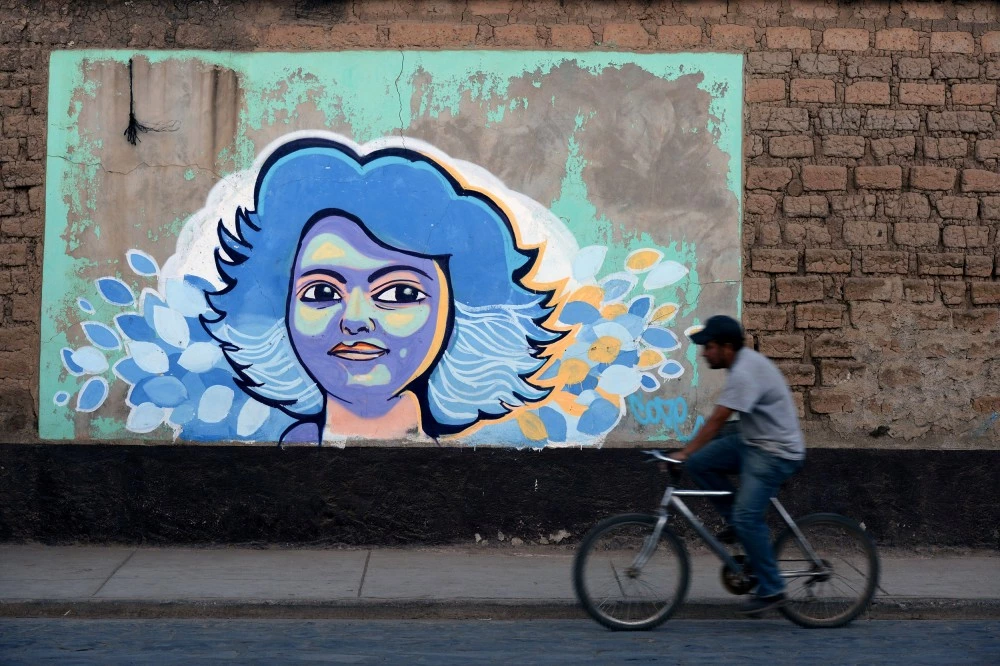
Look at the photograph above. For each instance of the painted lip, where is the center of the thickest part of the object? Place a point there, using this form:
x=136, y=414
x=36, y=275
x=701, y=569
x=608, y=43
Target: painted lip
x=359, y=351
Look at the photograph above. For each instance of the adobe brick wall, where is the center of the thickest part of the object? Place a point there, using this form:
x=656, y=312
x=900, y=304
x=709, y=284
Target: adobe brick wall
x=872, y=200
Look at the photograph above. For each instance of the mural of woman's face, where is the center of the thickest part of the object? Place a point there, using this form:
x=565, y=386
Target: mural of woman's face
x=364, y=319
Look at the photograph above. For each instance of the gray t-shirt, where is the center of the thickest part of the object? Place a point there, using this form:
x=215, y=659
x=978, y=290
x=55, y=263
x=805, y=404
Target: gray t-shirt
x=758, y=391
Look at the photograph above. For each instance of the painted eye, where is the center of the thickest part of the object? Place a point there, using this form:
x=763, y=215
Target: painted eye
x=320, y=293
x=400, y=293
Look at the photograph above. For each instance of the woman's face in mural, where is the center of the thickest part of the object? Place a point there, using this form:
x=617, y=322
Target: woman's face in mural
x=364, y=319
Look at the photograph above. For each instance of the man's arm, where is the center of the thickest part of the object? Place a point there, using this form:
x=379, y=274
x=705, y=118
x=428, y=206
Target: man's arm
x=707, y=432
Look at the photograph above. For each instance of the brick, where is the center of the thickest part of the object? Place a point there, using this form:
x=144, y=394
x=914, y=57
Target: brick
x=916, y=234
x=874, y=261
x=973, y=122
x=898, y=374
x=626, y=35
x=865, y=233
x=769, y=234
x=864, y=66
x=799, y=289
x=896, y=121
x=957, y=208
x=946, y=148
x=974, y=94
x=735, y=37
x=788, y=38
x=819, y=315
x=676, y=37
x=13, y=254
x=753, y=145
x=980, y=180
x=783, y=346
x=824, y=178
x=813, y=90
x=828, y=401
x=814, y=9
x=707, y=9
x=906, y=205
x=845, y=39
x=23, y=174
x=914, y=68
x=765, y=319
x=989, y=404
x=900, y=146
x=918, y=291
x=431, y=35
x=879, y=177
x=806, y=206
x=932, y=178
x=897, y=39
x=765, y=90
x=819, y=63
x=769, y=62
x=990, y=42
x=833, y=373
x=827, y=261
x=757, y=290
x=867, y=92
x=775, y=261
x=841, y=120
x=929, y=317
x=798, y=374
x=945, y=263
x=518, y=34
x=993, y=69
x=800, y=145
x=976, y=321
x=930, y=94
x=952, y=42
x=983, y=11
x=986, y=293
x=873, y=289
x=853, y=205
x=844, y=146
x=778, y=119
x=987, y=149
x=955, y=67
x=923, y=10
x=829, y=345
x=768, y=178
x=572, y=36
x=978, y=265
x=760, y=204
x=990, y=208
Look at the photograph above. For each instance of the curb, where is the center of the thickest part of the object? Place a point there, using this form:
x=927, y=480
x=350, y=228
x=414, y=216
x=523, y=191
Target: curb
x=451, y=609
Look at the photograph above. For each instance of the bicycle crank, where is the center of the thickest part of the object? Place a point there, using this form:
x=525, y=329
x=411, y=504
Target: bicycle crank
x=738, y=583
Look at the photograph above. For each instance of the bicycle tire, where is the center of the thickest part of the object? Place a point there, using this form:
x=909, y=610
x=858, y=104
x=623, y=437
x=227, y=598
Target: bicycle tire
x=850, y=553
x=621, y=539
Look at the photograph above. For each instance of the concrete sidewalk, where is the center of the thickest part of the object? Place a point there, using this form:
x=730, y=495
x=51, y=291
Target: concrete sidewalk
x=405, y=583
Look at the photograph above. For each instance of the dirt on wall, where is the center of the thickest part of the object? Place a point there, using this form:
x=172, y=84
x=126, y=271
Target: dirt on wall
x=872, y=179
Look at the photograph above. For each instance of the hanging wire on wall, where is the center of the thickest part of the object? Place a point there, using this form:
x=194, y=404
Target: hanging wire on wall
x=135, y=128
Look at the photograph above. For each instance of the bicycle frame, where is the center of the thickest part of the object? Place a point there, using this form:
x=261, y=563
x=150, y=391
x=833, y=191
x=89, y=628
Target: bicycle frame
x=672, y=498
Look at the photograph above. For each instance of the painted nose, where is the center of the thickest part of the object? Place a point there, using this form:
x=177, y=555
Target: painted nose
x=357, y=318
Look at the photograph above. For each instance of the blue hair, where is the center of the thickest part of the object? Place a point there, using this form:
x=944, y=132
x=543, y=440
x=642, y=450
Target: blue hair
x=408, y=202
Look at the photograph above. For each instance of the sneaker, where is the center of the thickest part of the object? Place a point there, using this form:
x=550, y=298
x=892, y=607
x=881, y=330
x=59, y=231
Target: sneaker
x=757, y=605
x=727, y=535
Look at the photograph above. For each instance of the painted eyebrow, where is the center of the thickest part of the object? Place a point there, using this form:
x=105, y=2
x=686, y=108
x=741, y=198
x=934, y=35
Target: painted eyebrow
x=325, y=271
x=393, y=269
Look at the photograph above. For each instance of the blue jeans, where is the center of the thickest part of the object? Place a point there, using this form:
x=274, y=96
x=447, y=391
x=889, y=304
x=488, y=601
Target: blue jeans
x=761, y=474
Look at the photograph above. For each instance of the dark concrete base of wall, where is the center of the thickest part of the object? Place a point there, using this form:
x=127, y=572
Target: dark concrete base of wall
x=61, y=494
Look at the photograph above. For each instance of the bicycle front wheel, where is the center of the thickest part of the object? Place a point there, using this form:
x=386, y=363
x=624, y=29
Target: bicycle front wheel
x=836, y=590
x=618, y=590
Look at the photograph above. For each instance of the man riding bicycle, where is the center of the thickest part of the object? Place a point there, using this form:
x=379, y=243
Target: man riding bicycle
x=768, y=449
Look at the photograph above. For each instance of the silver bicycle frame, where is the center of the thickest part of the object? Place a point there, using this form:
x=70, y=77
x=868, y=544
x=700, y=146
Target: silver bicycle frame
x=672, y=498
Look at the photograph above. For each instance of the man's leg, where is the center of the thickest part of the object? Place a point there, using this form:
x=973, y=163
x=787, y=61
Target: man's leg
x=709, y=466
x=760, y=477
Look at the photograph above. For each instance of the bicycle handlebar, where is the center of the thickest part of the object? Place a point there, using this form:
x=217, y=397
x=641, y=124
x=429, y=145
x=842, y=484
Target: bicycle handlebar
x=656, y=454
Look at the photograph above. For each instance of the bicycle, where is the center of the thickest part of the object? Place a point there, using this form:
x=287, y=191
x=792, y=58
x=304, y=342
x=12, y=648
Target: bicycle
x=631, y=571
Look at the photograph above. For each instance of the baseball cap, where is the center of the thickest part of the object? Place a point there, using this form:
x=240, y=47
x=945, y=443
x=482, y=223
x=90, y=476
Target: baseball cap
x=718, y=328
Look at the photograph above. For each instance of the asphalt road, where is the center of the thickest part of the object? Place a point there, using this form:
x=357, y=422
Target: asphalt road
x=64, y=641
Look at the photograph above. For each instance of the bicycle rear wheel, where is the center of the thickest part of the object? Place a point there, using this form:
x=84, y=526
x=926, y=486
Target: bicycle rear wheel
x=613, y=590
x=836, y=592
